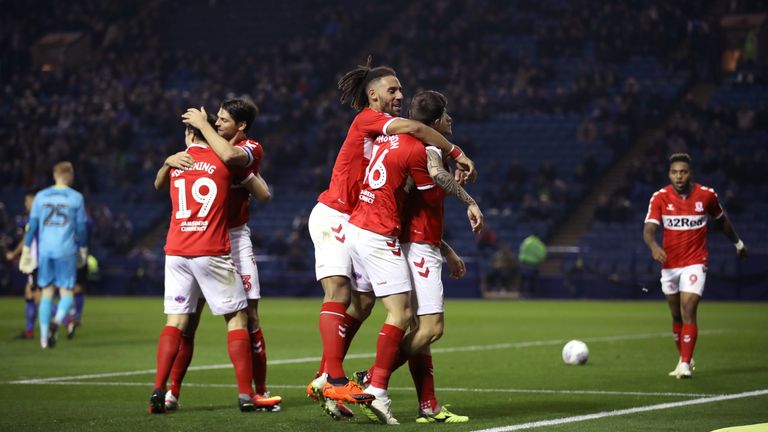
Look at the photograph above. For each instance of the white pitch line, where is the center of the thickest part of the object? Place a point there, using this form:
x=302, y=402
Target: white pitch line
x=465, y=348
x=399, y=389
x=605, y=414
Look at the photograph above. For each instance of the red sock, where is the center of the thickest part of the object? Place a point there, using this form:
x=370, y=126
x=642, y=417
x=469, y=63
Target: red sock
x=387, y=347
x=353, y=325
x=239, y=347
x=331, y=320
x=181, y=363
x=688, y=342
x=321, y=370
x=259, y=355
x=424, y=380
x=167, y=348
x=677, y=328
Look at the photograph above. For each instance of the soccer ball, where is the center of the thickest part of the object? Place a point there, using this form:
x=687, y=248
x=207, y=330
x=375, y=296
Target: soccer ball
x=575, y=352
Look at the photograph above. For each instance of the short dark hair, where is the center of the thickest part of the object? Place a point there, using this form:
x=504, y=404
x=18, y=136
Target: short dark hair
x=354, y=84
x=196, y=132
x=428, y=106
x=680, y=157
x=241, y=110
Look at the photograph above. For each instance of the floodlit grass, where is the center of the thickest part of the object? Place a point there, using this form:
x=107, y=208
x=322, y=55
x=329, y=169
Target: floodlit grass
x=499, y=363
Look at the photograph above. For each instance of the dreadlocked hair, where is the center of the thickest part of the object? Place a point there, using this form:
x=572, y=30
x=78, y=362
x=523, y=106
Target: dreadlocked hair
x=354, y=84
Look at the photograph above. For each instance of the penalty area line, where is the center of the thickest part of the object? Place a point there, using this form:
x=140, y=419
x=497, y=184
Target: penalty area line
x=606, y=414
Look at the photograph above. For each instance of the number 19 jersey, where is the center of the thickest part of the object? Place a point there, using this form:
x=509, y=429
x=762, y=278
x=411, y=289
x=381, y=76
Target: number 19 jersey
x=200, y=207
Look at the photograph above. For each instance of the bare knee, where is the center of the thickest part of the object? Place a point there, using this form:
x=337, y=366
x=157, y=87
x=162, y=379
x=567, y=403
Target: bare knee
x=337, y=289
x=361, y=305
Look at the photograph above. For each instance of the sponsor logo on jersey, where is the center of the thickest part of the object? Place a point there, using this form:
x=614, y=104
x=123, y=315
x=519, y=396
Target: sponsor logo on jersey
x=682, y=223
x=367, y=196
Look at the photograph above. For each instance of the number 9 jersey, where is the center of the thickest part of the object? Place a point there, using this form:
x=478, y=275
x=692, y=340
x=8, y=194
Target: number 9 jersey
x=200, y=208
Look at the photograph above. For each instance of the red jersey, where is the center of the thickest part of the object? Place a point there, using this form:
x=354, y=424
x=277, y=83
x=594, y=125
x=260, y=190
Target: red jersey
x=381, y=199
x=352, y=159
x=239, y=196
x=685, y=223
x=199, y=197
x=423, y=215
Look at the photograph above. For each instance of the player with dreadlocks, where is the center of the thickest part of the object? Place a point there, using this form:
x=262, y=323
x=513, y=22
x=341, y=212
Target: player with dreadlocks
x=378, y=96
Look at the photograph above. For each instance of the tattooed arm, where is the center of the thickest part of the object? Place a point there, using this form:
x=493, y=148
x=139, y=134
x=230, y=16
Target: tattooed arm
x=445, y=180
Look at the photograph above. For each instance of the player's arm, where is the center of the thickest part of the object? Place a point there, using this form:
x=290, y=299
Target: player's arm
x=82, y=235
x=11, y=255
x=229, y=154
x=27, y=262
x=258, y=187
x=445, y=180
x=649, y=237
x=430, y=136
x=725, y=224
x=456, y=265
x=181, y=160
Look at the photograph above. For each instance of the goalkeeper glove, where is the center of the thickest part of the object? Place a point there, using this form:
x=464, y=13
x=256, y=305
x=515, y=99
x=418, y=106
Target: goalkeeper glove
x=27, y=262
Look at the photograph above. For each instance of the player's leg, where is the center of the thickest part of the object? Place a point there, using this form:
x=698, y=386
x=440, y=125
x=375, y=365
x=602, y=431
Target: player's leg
x=181, y=295
x=76, y=313
x=692, y=282
x=65, y=273
x=45, y=278
x=670, y=286
x=30, y=308
x=183, y=357
x=333, y=268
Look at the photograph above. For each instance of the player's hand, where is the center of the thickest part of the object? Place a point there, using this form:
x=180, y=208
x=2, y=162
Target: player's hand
x=659, y=254
x=456, y=266
x=9, y=256
x=82, y=257
x=460, y=176
x=27, y=262
x=466, y=165
x=476, y=220
x=181, y=160
x=195, y=117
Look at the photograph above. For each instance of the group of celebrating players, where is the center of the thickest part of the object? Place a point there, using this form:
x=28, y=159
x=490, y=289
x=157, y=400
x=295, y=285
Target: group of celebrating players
x=377, y=232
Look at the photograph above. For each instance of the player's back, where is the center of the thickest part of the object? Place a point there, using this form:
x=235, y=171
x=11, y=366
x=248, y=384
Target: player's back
x=382, y=197
x=59, y=209
x=199, y=196
x=355, y=152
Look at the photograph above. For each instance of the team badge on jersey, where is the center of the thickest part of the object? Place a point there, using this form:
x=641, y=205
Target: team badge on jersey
x=699, y=206
x=670, y=207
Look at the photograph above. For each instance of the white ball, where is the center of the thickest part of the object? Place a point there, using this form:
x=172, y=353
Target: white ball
x=575, y=352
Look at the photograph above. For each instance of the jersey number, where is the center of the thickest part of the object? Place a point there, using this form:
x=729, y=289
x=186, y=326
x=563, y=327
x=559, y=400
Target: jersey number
x=57, y=215
x=376, y=172
x=206, y=200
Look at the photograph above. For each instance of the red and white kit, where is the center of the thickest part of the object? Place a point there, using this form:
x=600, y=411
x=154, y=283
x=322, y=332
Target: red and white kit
x=239, y=215
x=328, y=220
x=375, y=223
x=197, y=246
x=684, y=219
x=421, y=238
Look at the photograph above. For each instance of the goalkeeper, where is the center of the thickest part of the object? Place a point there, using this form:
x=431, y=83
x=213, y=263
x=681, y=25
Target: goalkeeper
x=57, y=220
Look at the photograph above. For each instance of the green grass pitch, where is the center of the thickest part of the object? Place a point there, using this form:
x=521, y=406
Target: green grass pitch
x=498, y=362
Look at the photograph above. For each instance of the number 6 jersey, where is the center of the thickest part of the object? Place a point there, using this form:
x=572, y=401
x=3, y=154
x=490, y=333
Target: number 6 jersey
x=685, y=223
x=200, y=208
x=380, y=205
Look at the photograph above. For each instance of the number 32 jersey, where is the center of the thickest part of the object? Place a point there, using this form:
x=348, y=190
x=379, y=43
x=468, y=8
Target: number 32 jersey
x=200, y=208
x=685, y=223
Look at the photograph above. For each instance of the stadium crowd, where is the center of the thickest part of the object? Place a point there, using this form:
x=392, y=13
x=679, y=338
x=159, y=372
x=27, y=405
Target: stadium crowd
x=615, y=67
